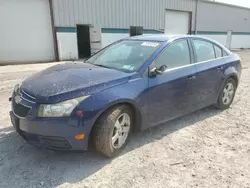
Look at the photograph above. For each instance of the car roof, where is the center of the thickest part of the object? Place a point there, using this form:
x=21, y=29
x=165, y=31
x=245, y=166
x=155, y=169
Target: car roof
x=164, y=37
x=155, y=37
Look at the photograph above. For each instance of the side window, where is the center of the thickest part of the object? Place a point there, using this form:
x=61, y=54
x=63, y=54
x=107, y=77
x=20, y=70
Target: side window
x=176, y=55
x=218, y=51
x=224, y=53
x=204, y=50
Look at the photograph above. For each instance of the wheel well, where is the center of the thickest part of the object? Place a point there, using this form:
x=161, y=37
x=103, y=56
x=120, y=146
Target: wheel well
x=137, y=118
x=235, y=78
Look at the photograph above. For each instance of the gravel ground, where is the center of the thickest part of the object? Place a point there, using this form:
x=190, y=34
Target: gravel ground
x=208, y=148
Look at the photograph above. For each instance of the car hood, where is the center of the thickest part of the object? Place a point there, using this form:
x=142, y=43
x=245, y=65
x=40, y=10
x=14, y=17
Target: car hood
x=74, y=78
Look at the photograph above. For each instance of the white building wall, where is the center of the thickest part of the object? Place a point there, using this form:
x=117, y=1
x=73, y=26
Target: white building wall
x=240, y=41
x=219, y=38
x=217, y=17
x=25, y=34
x=67, y=45
x=109, y=38
x=213, y=19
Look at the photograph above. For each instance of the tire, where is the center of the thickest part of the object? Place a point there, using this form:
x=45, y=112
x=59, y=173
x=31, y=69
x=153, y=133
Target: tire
x=109, y=137
x=222, y=103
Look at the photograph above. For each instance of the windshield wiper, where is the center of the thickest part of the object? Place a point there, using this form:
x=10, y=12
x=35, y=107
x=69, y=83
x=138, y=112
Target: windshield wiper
x=89, y=62
x=102, y=66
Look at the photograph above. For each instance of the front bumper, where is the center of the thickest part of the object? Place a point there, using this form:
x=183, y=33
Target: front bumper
x=53, y=133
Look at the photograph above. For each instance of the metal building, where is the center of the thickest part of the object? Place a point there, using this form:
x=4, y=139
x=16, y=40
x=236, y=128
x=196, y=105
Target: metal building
x=45, y=30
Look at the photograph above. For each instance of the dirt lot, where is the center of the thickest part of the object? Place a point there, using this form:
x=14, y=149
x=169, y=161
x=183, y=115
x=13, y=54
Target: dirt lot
x=208, y=148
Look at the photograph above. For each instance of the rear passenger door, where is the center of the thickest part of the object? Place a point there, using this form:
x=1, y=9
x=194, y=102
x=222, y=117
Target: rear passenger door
x=209, y=66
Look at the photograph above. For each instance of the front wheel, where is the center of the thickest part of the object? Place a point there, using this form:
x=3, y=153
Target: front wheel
x=112, y=130
x=227, y=94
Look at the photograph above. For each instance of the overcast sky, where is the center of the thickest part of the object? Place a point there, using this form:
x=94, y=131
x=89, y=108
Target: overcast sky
x=245, y=3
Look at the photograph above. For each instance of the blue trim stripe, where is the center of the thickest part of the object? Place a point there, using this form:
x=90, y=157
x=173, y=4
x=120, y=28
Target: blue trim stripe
x=151, y=31
x=111, y=30
x=211, y=33
x=219, y=33
x=105, y=30
x=146, y=31
x=66, y=29
x=117, y=30
x=241, y=33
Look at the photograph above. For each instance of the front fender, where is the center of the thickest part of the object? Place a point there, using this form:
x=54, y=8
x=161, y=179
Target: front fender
x=133, y=93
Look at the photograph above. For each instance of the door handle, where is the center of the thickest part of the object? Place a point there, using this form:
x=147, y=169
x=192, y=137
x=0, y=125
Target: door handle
x=191, y=77
x=220, y=68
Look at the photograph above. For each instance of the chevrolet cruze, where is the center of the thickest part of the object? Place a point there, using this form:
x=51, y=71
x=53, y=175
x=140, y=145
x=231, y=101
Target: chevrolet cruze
x=132, y=84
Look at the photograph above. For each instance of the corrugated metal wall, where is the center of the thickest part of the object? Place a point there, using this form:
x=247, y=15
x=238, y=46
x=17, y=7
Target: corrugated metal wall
x=148, y=13
x=218, y=17
x=117, y=13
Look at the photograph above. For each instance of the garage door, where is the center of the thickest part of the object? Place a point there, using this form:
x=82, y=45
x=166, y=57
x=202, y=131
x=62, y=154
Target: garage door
x=25, y=33
x=176, y=22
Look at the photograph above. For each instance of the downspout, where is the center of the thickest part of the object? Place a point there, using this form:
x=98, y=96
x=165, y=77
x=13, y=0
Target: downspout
x=196, y=16
x=53, y=30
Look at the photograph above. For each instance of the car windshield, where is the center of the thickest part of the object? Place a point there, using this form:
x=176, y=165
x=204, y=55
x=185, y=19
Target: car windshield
x=126, y=55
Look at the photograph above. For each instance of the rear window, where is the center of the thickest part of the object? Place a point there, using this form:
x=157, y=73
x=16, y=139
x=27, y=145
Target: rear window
x=218, y=51
x=204, y=50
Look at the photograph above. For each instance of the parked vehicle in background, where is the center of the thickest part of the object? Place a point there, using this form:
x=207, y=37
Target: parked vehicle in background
x=133, y=84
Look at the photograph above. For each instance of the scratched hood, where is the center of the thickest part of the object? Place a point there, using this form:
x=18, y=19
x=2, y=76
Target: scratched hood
x=71, y=78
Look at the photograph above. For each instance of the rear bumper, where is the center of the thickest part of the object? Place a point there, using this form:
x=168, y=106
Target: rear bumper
x=54, y=133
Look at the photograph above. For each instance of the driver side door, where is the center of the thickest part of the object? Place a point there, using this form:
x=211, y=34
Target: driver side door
x=172, y=93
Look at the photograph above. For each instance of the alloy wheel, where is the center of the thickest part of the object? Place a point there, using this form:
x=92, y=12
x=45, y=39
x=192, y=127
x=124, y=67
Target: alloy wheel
x=121, y=130
x=228, y=93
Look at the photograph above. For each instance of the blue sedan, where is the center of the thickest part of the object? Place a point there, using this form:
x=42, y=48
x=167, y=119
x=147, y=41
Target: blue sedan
x=131, y=85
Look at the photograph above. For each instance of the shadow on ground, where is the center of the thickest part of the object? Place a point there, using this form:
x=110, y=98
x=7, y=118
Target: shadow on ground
x=22, y=165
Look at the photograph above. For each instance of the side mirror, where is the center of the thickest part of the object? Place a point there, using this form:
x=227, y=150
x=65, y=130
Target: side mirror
x=157, y=71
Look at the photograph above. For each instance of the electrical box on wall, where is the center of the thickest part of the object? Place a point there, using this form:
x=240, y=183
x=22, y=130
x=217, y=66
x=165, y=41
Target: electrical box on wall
x=136, y=30
x=95, y=39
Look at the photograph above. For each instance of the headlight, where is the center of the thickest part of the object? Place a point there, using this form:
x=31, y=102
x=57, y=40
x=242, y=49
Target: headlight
x=16, y=88
x=61, y=109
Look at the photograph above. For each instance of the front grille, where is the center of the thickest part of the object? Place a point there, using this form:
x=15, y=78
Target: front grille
x=20, y=110
x=50, y=142
x=55, y=142
x=26, y=96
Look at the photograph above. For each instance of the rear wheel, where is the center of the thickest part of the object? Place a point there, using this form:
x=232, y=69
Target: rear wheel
x=227, y=94
x=111, y=132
